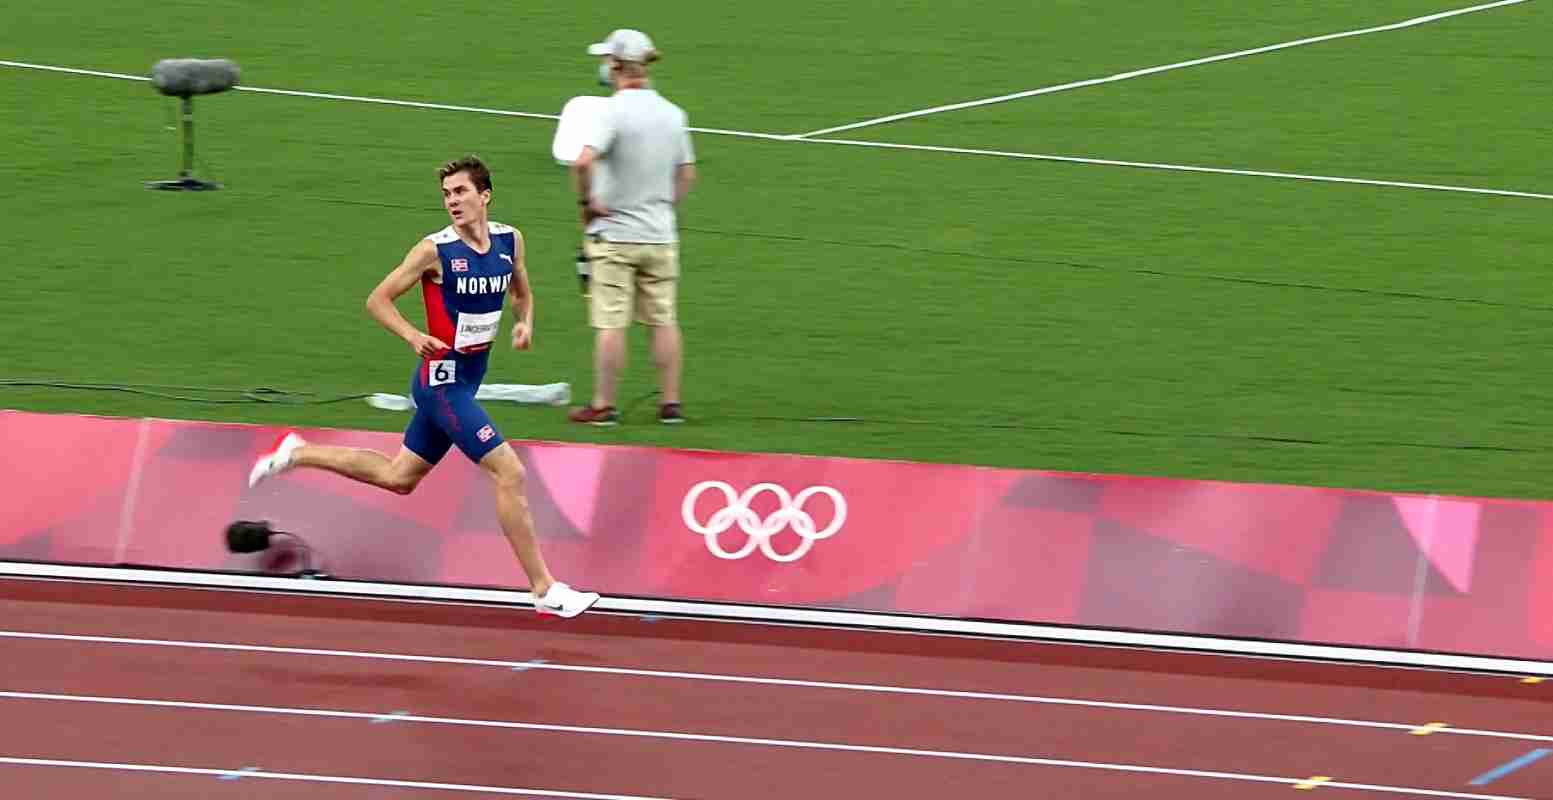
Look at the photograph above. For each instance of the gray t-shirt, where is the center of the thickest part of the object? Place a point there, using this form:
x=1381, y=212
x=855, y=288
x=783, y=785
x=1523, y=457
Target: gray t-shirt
x=641, y=139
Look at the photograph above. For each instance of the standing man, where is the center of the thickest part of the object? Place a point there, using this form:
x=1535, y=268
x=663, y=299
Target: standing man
x=634, y=170
x=464, y=272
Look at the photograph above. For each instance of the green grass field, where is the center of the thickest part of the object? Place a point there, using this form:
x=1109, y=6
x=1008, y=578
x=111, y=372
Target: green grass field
x=961, y=308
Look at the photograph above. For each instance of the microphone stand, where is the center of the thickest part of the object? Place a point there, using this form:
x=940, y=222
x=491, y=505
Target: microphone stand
x=186, y=182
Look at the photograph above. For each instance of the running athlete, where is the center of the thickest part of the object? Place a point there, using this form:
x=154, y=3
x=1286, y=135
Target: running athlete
x=464, y=271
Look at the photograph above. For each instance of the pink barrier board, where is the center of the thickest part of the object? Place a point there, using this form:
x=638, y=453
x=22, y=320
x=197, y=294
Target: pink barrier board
x=1462, y=575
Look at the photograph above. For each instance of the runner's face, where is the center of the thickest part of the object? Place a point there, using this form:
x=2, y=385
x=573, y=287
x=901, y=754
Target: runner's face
x=463, y=203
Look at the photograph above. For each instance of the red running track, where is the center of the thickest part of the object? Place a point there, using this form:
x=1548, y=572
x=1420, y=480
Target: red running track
x=590, y=711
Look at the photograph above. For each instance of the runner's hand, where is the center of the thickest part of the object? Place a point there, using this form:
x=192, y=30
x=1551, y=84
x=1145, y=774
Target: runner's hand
x=426, y=346
x=522, y=336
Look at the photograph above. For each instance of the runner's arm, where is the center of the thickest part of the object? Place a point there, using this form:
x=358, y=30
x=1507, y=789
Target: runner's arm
x=522, y=295
x=421, y=260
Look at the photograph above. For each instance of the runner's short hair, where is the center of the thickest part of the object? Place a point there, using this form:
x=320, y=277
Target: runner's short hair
x=479, y=174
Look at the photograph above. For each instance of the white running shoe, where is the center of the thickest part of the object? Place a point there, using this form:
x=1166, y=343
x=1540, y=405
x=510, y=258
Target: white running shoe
x=276, y=461
x=564, y=601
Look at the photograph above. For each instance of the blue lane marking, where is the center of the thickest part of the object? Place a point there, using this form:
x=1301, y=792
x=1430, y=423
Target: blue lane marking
x=232, y=776
x=1526, y=760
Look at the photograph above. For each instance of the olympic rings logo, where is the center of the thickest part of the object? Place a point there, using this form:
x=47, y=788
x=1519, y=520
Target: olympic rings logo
x=758, y=532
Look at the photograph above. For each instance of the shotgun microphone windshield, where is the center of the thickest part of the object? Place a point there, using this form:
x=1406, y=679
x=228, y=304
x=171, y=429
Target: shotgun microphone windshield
x=186, y=78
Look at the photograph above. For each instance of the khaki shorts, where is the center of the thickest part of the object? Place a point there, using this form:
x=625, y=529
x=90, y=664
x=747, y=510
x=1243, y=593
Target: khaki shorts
x=632, y=277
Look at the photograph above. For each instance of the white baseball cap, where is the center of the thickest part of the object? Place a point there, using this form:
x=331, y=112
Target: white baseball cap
x=626, y=45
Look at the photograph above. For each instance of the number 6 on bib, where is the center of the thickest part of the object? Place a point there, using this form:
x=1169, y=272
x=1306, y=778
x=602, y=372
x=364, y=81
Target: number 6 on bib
x=441, y=372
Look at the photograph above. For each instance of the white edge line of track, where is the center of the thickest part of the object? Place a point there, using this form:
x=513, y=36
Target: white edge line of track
x=805, y=616
x=1138, y=73
x=739, y=740
x=258, y=774
x=883, y=145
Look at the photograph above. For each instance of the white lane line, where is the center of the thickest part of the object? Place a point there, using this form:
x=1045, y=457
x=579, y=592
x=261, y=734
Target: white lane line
x=1181, y=168
x=1367, y=787
x=798, y=744
x=1138, y=73
x=247, y=773
x=765, y=681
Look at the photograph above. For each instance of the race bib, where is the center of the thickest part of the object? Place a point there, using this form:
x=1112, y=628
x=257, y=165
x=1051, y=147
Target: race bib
x=440, y=372
x=476, y=331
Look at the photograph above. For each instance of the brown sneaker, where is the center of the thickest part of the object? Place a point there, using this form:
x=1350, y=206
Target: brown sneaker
x=670, y=414
x=589, y=415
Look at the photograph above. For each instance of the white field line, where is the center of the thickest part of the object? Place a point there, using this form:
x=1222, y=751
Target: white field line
x=1155, y=70
x=292, y=93
x=407, y=103
x=1182, y=168
x=362, y=99
x=796, y=744
x=884, y=145
x=74, y=71
x=767, y=681
x=259, y=774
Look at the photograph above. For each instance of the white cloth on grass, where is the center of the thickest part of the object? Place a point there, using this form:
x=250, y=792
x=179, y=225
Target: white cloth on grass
x=553, y=394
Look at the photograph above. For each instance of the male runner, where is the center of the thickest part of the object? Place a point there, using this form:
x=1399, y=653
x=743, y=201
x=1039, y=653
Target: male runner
x=464, y=271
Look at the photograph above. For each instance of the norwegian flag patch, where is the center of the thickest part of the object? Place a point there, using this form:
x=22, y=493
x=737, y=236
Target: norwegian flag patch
x=459, y=265
x=485, y=433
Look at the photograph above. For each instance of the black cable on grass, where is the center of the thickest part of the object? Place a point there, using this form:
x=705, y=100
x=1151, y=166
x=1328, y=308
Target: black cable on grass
x=257, y=395
x=264, y=395
x=1238, y=437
